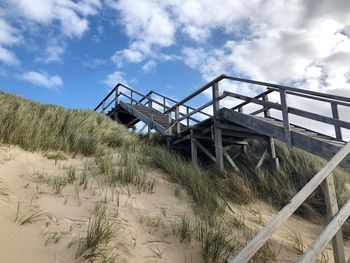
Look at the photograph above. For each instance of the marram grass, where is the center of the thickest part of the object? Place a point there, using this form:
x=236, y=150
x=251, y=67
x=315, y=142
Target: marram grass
x=34, y=126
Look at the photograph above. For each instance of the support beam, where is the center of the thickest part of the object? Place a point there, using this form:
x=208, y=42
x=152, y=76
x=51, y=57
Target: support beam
x=332, y=209
x=274, y=160
x=230, y=161
x=194, y=153
x=262, y=159
x=200, y=146
x=217, y=131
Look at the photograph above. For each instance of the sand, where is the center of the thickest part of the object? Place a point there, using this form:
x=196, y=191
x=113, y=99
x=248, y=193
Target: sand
x=145, y=220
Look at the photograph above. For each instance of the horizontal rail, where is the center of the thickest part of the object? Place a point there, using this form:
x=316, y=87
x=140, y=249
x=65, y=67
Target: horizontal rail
x=291, y=89
x=172, y=100
x=202, y=107
x=260, y=239
x=197, y=92
x=256, y=97
x=105, y=98
x=269, y=104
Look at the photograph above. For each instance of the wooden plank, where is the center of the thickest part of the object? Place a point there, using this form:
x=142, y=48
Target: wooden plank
x=261, y=160
x=332, y=209
x=327, y=234
x=253, y=123
x=260, y=239
x=200, y=146
x=230, y=161
x=286, y=125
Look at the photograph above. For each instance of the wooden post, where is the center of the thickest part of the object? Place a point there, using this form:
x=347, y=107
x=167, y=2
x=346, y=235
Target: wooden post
x=103, y=107
x=116, y=103
x=132, y=99
x=240, y=109
x=335, y=114
x=217, y=131
x=271, y=141
x=194, y=152
x=151, y=116
x=188, y=119
x=177, y=117
x=287, y=135
x=332, y=209
x=164, y=105
x=170, y=132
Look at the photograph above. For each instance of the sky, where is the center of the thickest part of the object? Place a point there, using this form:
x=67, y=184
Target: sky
x=72, y=52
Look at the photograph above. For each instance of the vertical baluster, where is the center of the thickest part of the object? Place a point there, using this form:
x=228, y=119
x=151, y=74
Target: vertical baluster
x=132, y=99
x=164, y=105
x=151, y=116
x=217, y=131
x=188, y=118
x=177, y=117
x=116, y=102
x=103, y=107
x=286, y=125
x=335, y=114
x=170, y=132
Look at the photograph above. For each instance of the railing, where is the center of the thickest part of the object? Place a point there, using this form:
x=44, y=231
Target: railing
x=262, y=100
x=331, y=232
x=134, y=97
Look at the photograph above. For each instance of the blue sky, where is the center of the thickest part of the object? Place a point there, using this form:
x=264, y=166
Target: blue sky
x=71, y=52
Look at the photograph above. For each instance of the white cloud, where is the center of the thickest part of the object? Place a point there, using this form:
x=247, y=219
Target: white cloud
x=71, y=15
x=8, y=57
x=149, y=66
x=149, y=26
x=42, y=79
x=115, y=78
x=8, y=37
x=54, y=51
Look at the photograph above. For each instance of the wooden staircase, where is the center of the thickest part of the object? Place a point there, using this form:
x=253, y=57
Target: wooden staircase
x=204, y=134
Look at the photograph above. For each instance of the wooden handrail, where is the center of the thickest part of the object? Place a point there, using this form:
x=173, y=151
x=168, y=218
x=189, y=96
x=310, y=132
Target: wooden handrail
x=260, y=239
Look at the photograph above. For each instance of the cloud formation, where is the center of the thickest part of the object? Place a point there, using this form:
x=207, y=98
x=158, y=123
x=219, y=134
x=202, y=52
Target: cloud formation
x=42, y=79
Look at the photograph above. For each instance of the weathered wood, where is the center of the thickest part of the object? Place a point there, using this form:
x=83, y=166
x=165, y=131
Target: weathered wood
x=266, y=109
x=272, y=149
x=217, y=131
x=170, y=131
x=286, y=125
x=230, y=161
x=261, y=160
x=272, y=105
x=327, y=234
x=150, y=126
x=330, y=196
x=103, y=107
x=335, y=115
x=194, y=153
x=204, y=150
x=188, y=119
x=317, y=117
x=259, y=240
x=178, y=124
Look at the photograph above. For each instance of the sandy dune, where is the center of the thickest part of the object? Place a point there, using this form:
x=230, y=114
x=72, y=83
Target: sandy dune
x=145, y=220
